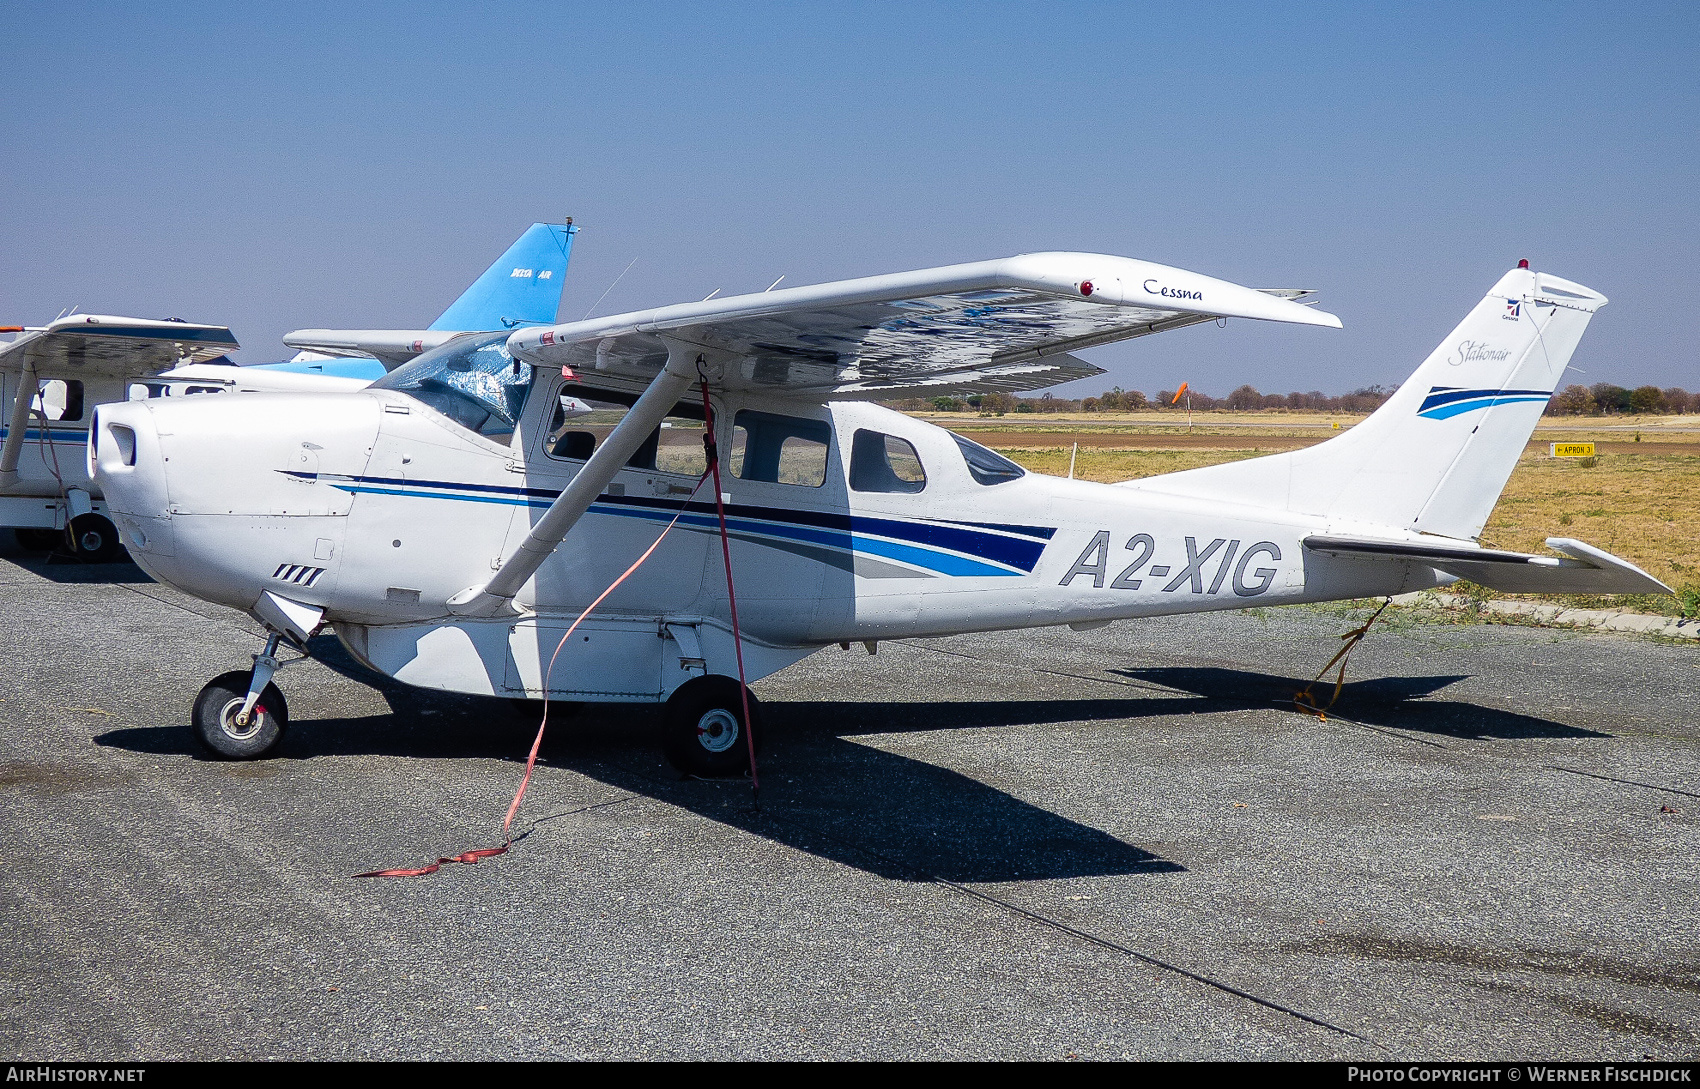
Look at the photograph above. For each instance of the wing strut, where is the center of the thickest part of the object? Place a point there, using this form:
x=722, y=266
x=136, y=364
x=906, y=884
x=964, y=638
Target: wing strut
x=608, y=459
x=14, y=445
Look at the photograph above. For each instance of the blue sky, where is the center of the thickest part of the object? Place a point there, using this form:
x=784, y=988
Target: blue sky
x=260, y=167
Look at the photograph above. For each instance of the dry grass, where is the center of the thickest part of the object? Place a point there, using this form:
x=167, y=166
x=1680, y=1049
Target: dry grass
x=1643, y=507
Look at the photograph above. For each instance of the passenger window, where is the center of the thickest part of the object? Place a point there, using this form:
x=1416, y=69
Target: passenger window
x=779, y=449
x=884, y=463
x=988, y=467
x=583, y=418
x=60, y=400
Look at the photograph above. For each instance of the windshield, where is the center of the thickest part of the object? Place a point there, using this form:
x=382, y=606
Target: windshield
x=472, y=380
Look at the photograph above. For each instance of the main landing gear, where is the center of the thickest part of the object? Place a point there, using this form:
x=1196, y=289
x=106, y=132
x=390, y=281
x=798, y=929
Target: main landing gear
x=94, y=539
x=241, y=715
x=704, y=732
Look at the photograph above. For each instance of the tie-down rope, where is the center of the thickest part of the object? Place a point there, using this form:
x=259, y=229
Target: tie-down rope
x=712, y=453
x=1304, y=700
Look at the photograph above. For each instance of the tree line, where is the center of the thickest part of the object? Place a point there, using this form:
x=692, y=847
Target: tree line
x=1600, y=399
x=1605, y=399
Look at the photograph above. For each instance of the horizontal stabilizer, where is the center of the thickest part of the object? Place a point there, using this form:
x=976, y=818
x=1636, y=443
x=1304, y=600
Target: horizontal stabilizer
x=96, y=344
x=1582, y=569
x=391, y=347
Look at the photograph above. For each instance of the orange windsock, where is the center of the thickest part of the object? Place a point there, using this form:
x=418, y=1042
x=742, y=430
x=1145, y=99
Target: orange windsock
x=1178, y=393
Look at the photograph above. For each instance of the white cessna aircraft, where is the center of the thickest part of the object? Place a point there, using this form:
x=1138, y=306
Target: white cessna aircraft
x=451, y=522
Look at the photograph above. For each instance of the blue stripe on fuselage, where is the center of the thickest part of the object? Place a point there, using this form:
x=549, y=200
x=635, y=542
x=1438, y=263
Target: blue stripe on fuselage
x=951, y=548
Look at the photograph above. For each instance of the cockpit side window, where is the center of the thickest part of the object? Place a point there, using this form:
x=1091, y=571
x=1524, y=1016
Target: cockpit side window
x=472, y=380
x=884, y=463
x=584, y=417
x=987, y=467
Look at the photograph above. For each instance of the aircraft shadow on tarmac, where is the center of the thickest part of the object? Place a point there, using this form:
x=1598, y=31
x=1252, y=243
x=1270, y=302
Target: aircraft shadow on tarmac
x=1400, y=703
x=855, y=804
x=60, y=568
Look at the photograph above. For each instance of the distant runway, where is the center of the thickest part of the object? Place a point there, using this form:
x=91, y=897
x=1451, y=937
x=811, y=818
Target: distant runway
x=1029, y=845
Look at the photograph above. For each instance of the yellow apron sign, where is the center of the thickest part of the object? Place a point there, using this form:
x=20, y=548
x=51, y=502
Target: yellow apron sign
x=1572, y=449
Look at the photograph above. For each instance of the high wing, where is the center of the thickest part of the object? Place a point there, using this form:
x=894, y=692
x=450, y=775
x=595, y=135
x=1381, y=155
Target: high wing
x=98, y=345
x=1583, y=569
x=991, y=326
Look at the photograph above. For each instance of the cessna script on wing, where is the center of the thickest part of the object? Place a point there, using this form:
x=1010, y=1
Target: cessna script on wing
x=1173, y=292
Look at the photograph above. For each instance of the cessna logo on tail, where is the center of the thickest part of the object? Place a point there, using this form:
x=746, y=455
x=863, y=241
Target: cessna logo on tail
x=1173, y=292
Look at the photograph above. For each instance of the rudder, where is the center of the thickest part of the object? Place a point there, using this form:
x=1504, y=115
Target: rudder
x=523, y=287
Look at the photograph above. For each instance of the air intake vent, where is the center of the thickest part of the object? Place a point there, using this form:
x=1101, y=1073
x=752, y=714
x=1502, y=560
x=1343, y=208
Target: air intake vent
x=298, y=573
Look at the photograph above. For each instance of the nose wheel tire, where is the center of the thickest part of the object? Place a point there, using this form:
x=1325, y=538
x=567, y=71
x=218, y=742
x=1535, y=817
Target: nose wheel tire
x=704, y=728
x=94, y=539
x=216, y=709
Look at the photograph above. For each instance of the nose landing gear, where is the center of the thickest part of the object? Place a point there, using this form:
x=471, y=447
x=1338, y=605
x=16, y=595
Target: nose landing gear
x=241, y=715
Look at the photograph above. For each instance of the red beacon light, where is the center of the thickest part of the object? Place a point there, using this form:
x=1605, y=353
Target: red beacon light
x=1086, y=287
x=1524, y=263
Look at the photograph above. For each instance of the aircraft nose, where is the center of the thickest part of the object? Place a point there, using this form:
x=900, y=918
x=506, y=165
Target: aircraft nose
x=126, y=461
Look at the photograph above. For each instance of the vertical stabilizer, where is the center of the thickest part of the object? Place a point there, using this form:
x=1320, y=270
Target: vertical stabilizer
x=523, y=286
x=1436, y=455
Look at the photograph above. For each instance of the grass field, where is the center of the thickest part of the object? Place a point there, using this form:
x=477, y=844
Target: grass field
x=1639, y=498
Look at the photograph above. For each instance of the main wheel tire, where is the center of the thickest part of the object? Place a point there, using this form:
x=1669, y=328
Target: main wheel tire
x=40, y=540
x=215, y=723
x=94, y=539
x=704, y=728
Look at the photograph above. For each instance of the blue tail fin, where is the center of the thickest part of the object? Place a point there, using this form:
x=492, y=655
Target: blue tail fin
x=523, y=287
